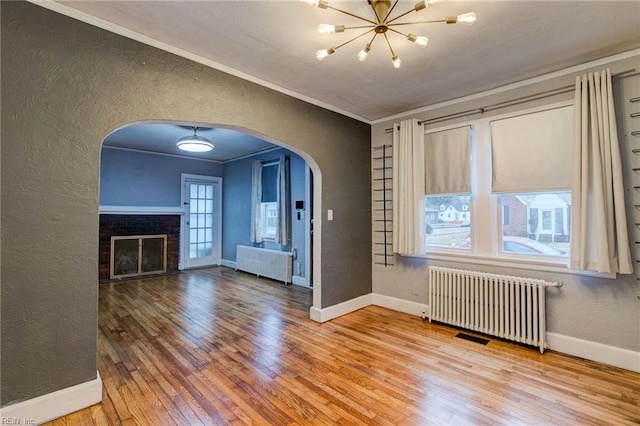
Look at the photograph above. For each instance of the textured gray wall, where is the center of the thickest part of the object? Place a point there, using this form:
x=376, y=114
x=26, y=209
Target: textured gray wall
x=65, y=86
x=594, y=309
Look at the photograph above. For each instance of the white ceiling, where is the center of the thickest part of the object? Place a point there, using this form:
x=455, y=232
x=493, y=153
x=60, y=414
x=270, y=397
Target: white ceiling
x=228, y=144
x=274, y=42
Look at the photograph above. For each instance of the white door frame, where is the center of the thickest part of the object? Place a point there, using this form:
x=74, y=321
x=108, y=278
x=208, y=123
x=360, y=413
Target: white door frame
x=183, y=216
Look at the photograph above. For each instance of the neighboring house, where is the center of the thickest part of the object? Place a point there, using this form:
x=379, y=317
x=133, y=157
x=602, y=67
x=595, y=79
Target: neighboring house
x=449, y=210
x=542, y=217
x=431, y=214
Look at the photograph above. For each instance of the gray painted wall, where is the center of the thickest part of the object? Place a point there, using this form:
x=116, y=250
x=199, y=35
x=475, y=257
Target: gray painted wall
x=594, y=309
x=65, y=86
x=129, y=178
x=236, y=206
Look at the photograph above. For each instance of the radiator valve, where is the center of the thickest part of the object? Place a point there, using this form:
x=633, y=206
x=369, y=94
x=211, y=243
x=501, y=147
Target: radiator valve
x=423, y=315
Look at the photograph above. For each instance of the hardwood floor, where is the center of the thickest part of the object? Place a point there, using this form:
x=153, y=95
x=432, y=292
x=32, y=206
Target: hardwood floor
x=215, y=346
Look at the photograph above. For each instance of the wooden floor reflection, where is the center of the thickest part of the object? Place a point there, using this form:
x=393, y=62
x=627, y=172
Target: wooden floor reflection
x=215, y=346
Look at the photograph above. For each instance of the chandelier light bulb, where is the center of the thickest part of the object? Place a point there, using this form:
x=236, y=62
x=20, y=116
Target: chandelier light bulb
x=467, y=18
x=325, y=29
x=396, y=61
x=321, y=54
x=322, y=4
x=362, y=55
x=421, y=41
x=424, y=4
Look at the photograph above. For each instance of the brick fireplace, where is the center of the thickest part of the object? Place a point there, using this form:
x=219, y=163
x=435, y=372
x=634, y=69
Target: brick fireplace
x=138, y=224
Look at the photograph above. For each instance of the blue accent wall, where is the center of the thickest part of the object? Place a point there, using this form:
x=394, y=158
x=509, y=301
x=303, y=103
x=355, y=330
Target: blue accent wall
x=236, y=206
x=129, y=178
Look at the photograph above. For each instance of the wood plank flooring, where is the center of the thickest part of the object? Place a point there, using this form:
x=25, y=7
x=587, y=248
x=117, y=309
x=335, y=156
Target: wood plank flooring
x=215, y=346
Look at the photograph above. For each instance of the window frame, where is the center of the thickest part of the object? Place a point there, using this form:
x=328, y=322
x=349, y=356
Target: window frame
x=486, y=211
x=265, y=207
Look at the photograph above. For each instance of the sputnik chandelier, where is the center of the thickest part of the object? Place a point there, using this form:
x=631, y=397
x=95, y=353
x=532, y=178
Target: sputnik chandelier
x=383, y=23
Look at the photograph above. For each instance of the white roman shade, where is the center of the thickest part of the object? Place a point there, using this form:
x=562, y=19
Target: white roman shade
x=448, y=162
x=532, y=152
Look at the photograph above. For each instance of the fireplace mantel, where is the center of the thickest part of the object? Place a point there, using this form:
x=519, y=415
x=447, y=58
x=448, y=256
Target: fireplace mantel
x=141, y=210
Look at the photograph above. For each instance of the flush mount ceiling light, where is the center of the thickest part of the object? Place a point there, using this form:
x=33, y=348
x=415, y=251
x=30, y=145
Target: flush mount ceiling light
x=383, y=23
x=195, y=143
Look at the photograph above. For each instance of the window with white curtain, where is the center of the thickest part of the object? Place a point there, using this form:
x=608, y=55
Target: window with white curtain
x=269, y=205
x=531, y=159
x=447, y=160
x=517, y=201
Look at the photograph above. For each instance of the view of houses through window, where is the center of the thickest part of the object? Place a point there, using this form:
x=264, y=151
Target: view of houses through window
x=518, y=198
x=448, y=220
x=536, y=223
x=532, y=223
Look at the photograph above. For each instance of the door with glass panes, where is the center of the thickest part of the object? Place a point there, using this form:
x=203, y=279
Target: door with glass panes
x=201, y=224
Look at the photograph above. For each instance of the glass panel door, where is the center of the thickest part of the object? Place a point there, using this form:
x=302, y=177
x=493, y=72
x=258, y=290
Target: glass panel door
x=201, y=223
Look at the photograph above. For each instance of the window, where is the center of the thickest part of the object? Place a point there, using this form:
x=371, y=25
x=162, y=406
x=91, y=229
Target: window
x=519, y=202
x=536, y=223
x=269, y=216
x=449, y=226
x=447, y=186
x=269, y=205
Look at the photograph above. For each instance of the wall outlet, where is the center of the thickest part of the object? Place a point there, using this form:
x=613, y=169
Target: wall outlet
x=415, y=290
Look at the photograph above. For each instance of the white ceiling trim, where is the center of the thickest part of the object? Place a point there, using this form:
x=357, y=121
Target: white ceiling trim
x=185, y=157
x=264, y=151
x=516, y=85
x=116, y=29
x=165, y=154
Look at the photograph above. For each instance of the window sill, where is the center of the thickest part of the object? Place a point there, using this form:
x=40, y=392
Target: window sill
x=545, y=265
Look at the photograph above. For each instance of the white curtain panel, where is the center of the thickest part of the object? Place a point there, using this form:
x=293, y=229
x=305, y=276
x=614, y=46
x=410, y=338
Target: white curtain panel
x=408, y=188
x=256, y=200
x=599, y=239
x=283, y=230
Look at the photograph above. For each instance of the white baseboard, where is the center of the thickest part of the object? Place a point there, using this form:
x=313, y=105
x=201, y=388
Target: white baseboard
x=301, y=281
x=611, y=355
x=55, y=404
x=335, y=311
x=400, y=305
x=228, y=263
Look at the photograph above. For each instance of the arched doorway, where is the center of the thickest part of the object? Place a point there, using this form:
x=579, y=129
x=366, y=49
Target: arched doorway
x=140, y=172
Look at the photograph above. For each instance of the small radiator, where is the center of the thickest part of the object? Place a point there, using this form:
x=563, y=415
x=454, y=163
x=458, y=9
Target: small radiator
x=508, y=307
x=272, y=264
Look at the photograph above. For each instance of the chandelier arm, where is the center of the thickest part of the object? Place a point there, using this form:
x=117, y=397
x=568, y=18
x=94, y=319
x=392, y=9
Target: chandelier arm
x=351, y=14
x=420, y=22
x=373, y=38
x=390, y=10
x=400, y=16
x=398, y=32
x=353, y=39
x=389, y=44
x=357, y=27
